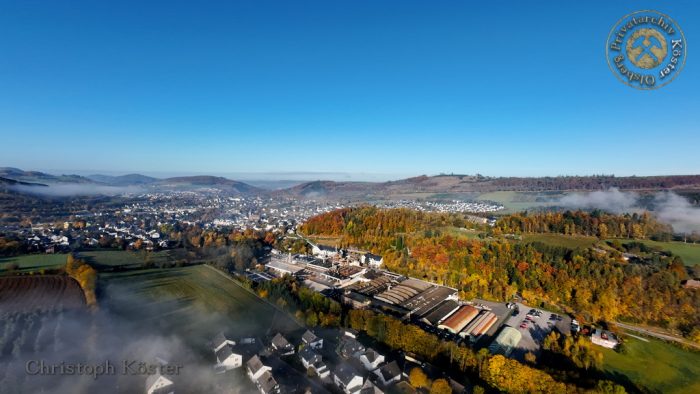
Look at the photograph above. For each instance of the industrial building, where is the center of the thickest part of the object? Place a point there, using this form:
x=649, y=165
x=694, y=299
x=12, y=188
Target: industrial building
x=479, y=325
x=458, y=320
x=441, y=312
x=428, y=300
x=402, y=292
x=280, y=267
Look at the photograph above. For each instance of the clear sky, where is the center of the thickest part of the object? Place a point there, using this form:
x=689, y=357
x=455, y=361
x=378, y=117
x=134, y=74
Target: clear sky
x=367, y=88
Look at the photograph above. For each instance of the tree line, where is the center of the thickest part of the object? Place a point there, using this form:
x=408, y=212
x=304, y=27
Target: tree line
x=596, y=223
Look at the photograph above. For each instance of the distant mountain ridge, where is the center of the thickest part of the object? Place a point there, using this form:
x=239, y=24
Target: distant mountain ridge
x=480, y=184
x=418, y=186
x=12, y=182
x=15, y=176
x=40, y=177
x=123, y=180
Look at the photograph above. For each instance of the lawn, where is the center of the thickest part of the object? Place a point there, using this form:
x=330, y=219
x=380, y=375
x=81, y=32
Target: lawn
x=196, y=302
x=656, y=365
x=32, y=262
x=460, y=232
x=567, y=241
x=690, y=253
x=35, y=262
x=123, y=258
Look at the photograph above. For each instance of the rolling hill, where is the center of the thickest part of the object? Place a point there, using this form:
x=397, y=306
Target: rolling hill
x=209, y=181
x=464, y=184
x=40, y=177
x=123, y=180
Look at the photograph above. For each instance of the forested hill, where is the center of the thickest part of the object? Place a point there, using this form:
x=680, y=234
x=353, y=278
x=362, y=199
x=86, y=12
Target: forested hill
x=481, y=184
x=596, y=284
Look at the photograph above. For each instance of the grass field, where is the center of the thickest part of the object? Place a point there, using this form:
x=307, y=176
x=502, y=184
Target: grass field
x=35, y=262
x=460, y=232
x=195, y=302
x=571, y=242
x=690, y=253
x=658, y=366
x=516, y=201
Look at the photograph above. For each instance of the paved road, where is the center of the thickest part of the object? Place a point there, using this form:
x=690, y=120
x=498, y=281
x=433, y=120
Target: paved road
x=655, y=334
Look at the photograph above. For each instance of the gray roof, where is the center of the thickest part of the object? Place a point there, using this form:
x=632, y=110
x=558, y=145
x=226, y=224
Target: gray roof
x=224, y=353
x=218, y=340
x=309, y=355
x=279, y=342
x=267, y=382
x=345, y=373
x=151, y=380
x=254, y=364
x=351, y=346
x=309, y=337
x=390, y=370
x=441, y=311
x=371, y=355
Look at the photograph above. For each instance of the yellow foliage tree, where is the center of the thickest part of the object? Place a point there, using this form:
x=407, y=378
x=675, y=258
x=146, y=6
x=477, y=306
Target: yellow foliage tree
x=85, y=275
x=440, y=386
x=418, y=378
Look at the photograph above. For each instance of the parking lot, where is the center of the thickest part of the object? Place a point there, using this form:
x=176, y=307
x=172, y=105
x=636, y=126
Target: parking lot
x=536, y=328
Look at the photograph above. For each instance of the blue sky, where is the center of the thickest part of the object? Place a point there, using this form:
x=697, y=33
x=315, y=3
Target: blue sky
x=369, y=89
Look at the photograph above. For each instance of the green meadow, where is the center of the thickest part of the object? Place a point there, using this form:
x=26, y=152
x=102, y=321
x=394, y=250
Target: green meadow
x=656, y=366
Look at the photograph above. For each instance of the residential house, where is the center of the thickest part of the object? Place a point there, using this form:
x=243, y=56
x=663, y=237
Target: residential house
x=311, y=340
x=371, y=359
x=347, y=379
x=388, y=373
x=350, y=347
x=311, y=359
x=227, y=359
x=255, y=368
x=267, y=384
x=281, y=345
x=159, y=384
x=604, y=338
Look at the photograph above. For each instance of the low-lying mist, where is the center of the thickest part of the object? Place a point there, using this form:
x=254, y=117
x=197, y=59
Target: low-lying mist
x=668, y=206
x=105, y=336
x=76, y=189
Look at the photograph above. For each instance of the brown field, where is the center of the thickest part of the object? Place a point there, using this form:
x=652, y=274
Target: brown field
x=49, y=292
